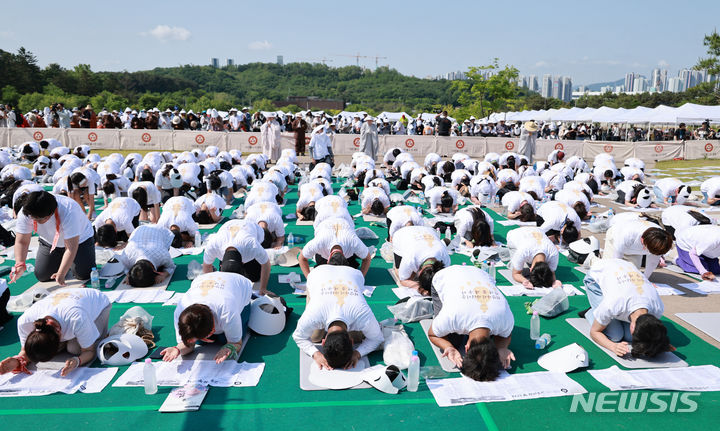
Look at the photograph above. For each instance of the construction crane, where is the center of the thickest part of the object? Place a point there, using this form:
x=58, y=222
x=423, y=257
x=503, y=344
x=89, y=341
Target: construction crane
x=315, y=60
x=356, y=57
x=376, y=60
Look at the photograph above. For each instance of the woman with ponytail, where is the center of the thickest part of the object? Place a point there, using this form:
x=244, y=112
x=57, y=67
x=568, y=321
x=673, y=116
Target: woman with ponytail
x=475, y=227
x=71, y=320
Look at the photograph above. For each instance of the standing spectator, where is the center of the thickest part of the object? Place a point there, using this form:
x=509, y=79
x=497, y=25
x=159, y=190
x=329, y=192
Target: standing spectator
x=270, y=138
x=681, y=132
x=299, y=127
x=369, y=138
x=88, y=119
x=528, y=135
x=443, y=124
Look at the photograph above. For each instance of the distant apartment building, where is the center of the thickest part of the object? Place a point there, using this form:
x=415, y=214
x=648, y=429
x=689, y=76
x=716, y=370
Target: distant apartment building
x=547, y=86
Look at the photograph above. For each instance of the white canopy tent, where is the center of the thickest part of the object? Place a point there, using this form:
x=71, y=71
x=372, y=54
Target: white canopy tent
x=394, y=116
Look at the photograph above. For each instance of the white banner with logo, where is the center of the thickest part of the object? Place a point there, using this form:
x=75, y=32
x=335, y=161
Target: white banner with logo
x=146, y=140
x=4, y=137
x=474, y=146
x=659, y=150
x=20, y=135
x=417, y=145
x=543, y=148
x=345, y=145
x=702, y=150
x=502, y=145
x=246, y=142
x=187, y=140
x=98, y=139
x=619, y=150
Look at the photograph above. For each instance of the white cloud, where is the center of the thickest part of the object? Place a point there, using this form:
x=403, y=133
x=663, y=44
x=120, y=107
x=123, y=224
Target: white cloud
x=663, y=63
x=259, y=45
x=165, y=33
x=541, y=63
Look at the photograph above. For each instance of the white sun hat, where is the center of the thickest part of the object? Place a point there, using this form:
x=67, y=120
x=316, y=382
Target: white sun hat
x=267, y=316
x=130, y=348
x=566, y=359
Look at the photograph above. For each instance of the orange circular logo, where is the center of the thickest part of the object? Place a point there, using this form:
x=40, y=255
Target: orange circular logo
x=307, y=140
x=252, y=140
x=708, y=147
x=608, y=148
x=200, y=139
x=658, y=148
x=509, y=145
x=356, y=142
x=459, y=144
x=559, y=146
x=92, y=136
x=409, y=143
x=146, y=137
x=38, y=136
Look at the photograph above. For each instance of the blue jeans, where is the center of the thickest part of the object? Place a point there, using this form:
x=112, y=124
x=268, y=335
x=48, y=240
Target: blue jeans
x=661, y=198
x=616, y=330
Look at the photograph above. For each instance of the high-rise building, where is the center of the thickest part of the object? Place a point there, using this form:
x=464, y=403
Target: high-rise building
x=566, y=93
x=675, y=84
x=686, y=79
x=607, y=88
x=522, y=81
x=230, y=62
x=658, y=80
x=215, y=62
x=547, y=86
x=639, y=84
x=532, y=83
x=280, y=60
x=557, y=87
x=629, y=81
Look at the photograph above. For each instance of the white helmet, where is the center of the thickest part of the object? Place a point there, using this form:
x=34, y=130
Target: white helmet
x=267, y=316
x=129, y=347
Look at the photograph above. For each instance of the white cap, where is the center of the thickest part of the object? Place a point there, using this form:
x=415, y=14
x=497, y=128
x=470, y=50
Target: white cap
x=566, y=359
x=130, y=348
x=267, y=316
x=644, y=198
x=385, y=379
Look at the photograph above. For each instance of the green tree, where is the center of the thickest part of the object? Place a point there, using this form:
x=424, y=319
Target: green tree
x=712, y=62
x=264, y=105
x=491, y=86
x=10, y=95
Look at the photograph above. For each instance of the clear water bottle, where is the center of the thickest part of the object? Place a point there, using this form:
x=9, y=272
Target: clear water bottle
x=291, y=240
x=94, y=278
x=149, y=377
x=413, y=372
x=543, y=341
x=610, y=214
x=198, y=239
x=497, y=200
x=535, y=326
x=241, y=211
x=194, y=269
x=592, y=219
x=492, y=271
x=448, y=232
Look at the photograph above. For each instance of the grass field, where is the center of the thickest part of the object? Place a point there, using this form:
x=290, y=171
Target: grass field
x=689, y=164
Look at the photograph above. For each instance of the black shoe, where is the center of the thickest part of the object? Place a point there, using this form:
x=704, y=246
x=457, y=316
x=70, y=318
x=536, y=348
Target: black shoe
x=582, y=313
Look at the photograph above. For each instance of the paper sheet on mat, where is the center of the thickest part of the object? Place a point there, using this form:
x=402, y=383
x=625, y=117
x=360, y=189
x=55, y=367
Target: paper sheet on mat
x=139, y=295
x=517, y=289
x=516, y=223
x=463, y=390
x=703, y=378
x=445, y=363
x=705, y=287
x=45, y=382
x=206, y=372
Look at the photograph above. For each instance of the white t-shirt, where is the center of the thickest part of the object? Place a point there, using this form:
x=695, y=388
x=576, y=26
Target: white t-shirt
x=507, y=176
x=309, y=192
x=261, y=191
x=73, y=223
x=329, y=237
x=554, y=215
x=668, y=186
x=226, y=294
x=553, y=179
x=369, y=195
x=526, y=243
x=243, y=226
x=483, y=187
x=270, y=213
x=711, y=187
x=571, y=197
x=434, y=196
x=470, y=300
x=464, y=221
x=627, y=238
x=677, y=216
x=512, y=200
x=248, y=246
x=189, y=173
x=153, y=194
x=533, y=183
x=152, y=243
x=214, y=202
x=75, y=309
x=380, y=183
x=336, y=295
x=121, y=211
x=178, y=210
x=401, y=215
x=624, y=290
x=703, y=239
x=416, y=244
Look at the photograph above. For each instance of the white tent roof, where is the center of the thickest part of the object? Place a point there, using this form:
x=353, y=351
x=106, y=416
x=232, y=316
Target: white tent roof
x=692, y=113
x=394, y=116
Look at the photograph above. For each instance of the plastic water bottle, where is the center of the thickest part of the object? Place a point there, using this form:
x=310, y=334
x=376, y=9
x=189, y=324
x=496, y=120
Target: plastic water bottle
x=149, y=377
x=241, y=211
x=493, y=271
x=610, y=214
x=198, y=239
x=497, y=200
x=592, y=219
x=95, y=278
x=413, y=372
x=291, y=240
x=543, y=341
x=535, y=326
x=194, y=269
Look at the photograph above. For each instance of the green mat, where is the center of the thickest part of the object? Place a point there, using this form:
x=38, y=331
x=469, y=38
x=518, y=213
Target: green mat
x=279, y=403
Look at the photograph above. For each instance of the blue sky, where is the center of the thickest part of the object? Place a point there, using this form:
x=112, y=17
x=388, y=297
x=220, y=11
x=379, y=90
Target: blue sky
x=589, y=41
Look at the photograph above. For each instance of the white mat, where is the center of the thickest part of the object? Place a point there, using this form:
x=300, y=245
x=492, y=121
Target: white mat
x=463, y=390
x=663, y=360
x=704, y=287
x=445, y=363
x=400, y=291
x=140, y=296
x=373, y=218
x=161, y=286
x=45, y=382
x=702, y=378
x=516, y=223
x=708, y=323
x=304, y=223
x=207, y=352
x=306, y=363
x=209, y=226
x=206, y=372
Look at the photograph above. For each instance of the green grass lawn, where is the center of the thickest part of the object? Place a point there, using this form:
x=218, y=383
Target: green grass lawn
x=666, y=164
